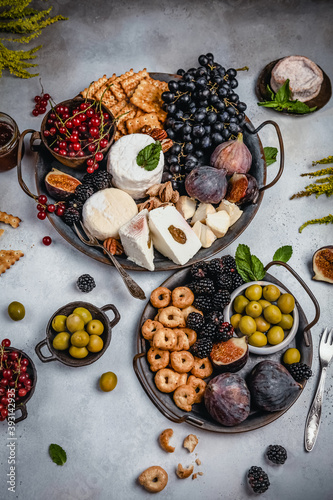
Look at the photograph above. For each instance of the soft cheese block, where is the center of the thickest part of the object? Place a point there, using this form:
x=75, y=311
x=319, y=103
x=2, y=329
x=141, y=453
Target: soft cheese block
x=172, y=236
x=136, y=240
x=127, y=174
x=106, y=211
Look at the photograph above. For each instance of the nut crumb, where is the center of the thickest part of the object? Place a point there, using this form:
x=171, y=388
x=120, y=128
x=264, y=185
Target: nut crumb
x=200, y=473
x=198, y=462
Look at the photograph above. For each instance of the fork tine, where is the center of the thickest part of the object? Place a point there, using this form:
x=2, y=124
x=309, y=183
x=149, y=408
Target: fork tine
x=330, y=337
x=324, y=336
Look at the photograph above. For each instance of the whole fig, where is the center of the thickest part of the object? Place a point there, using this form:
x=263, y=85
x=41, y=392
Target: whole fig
x=207, y=184
x=233, y=156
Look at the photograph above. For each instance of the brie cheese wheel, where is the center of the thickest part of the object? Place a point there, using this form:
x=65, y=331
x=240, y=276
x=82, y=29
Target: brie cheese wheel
x=172, y=236
x=219, y=223
x=106, y=211
x=136, y=240
x=126, y=173
x=233, y=210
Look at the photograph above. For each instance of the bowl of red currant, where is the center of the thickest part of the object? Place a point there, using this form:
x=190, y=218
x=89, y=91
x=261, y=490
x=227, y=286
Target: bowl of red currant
x=18, y=377
x=78, y=132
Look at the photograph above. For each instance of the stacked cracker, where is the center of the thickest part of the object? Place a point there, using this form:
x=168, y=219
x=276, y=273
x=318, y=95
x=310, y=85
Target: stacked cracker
x=134, y=99
x=9, y=257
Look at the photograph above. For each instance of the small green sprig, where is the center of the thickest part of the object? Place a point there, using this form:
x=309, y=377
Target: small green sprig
x=281, y=101
x=324, y=220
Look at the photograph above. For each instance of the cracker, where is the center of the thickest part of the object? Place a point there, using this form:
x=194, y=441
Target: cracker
x=127, y=112
x=1, y=232
x=105, y=91
x=147, y=96
x=8, y=258
x=118, y=91
x=10, y=219
x=135, y=124
x=116, y=108
x=93, y=87
x=130, y=83
x=117, y=135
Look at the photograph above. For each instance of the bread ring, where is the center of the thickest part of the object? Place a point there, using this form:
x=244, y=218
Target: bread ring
x=187, y=310
x=182, y=297
x=184, y=397
x=182, y=361
x=199, y=386
x=190, y=442
x=184, y=472
x=164, y=440
x=182, y=341
x=149, y=328
x=154, y=479
x=171, y=317
x=160, y=297
x=191, y=335
x=157, y=359
x=166, y=380
x=202, y=368
x=165, y=339
x=182, y=380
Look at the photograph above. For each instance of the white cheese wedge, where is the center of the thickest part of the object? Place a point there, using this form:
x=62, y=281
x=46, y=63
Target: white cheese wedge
x=126, y=173
x=233, y=210
x=204, y=233
x=219, y=223
x=136, y=240
x=202, y=211
x=106, y=211
x=186, y=206
x=164, y=222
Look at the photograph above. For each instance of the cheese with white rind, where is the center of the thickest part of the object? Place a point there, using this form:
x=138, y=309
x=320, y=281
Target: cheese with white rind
x=233, y=210
x=106, y=211
x=126, y=173
x=136, y=240
x=219, y=223
x=202, y=211
x=186, y=206
x=205, y=234
x=161, y=221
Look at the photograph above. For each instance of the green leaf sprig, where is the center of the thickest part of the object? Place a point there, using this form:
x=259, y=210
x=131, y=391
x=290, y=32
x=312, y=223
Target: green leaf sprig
x=251, y=268
x=270, y=155
x=149, y=157
x=57, y=454
x=281, y=101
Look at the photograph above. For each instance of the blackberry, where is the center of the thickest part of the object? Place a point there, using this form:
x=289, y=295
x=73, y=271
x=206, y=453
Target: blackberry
x=224, y=332
x=204, y=286
x=225, y=281
x=86, y=283
x=71, y=215
x=276, y=454
x=258, y=479
x=214, y=268
x=237, y=281
x=77, y=204
x=208, y=331
x=228, y=264
x=83, y=192
x=202, y=347
x=199, y=270
x=88, y=179
x=101, y=180
x=300, y=371
x=195, y=321
x=215, y=317
x=221, y=299
x=203, y=303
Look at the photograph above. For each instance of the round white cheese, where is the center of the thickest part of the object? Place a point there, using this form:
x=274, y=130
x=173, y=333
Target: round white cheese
x=106, y=211
x=127, y=174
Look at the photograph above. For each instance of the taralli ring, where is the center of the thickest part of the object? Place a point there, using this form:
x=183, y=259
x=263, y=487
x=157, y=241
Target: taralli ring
x=154, y=479
x=160, y=297
x=149, y=328
x=157, y=359
x=171, y=317
x=184, y=397
x=184, y=472
x=202, y=368
x=166, y=380
x=199, y=386
x=182, y=361
x=165, y=339
x=164, y=440
x=182, y=341
x=182, y=297
x=191, y=335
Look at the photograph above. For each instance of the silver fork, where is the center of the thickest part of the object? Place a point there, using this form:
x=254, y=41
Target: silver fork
x=314, y=415
x=132, y=286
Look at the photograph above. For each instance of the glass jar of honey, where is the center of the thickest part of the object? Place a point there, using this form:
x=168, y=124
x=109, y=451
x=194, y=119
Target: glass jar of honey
x=9, y=139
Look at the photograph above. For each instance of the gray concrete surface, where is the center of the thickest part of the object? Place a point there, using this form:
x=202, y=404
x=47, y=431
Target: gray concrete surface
x=111, y=438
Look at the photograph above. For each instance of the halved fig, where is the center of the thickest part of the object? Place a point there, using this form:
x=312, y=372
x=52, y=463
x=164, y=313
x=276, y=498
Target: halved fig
x=230, y=356
x=322, y=264
x=59, y=185
x=242, y=188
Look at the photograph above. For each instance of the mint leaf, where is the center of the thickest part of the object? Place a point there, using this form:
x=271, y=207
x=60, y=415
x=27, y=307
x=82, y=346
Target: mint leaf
x=257, y=268
x=283, y=94
x=270, y=91
x=299, y=107
x=270, y=155
x=248, y=266
x=283, y=253
x=269, y=104
x=149, y=156
x=281, y=101
x=57, y=454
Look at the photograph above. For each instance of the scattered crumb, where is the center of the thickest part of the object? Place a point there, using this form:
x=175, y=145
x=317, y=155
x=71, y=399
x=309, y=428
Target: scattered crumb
x=190, y=442
x=200, y=473
x=198, y=462
x=194, y=476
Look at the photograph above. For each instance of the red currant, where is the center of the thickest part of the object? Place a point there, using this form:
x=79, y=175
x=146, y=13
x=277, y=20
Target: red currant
x=42, y=199
x=2, y=391
x=47, y=241
x=90, y=112
x=73, y=137
x=99, y=156
x=42, y=110
x=82, y=117
x=76, y=121
x=5, y=343
x=62, y=144
x=22, y=392
x=4, y=401
x=8, y=374
x=53, y=130
x=94, y=132
x=41, y=215
x=46, y=97
x=35, y=112
x=95, y=166
x=81, y=153
x=12, y=383
x=76, y=146
x=63, y=152
x=14, y=355
x=65, y=116
x=106, y=116
x=90, y=162
x=91, y=148
x=82, y=128
x=47, y=133
x=95, y=121
x=103, y=143
x=24, y=362
x=90, y=170
x=60, y=110
x=37, y=98
x=63, y=130
x=22, y=377
x=4, y=383
x=43, y=102
x=69, y=124
x=83, y=106
x=60, y=211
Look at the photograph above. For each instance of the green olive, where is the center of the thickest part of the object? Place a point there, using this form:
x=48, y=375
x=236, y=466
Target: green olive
x=235, y=319
x=74, y=323
x=286, y=322
x=59, y=323
x=78, y=352
x=275, y=335
x=292, y=355
x=271, y=293
x=253, y=292
x=253, y=309
x=16, y=311
x=262, y=324
x=272, y=314
x=108, y=381
x=240, y=303
x=247, y=325
x=80, y=338
x=61, y=341
x=286, y=303
x=264, y=303
x=84, y=313
x=258, y=339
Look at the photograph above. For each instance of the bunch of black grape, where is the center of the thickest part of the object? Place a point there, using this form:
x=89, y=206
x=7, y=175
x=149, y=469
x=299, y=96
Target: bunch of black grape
x=203, y=111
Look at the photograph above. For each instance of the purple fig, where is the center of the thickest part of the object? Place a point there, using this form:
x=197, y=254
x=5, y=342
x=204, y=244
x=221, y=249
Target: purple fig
x=242, y=188
x=207, y=184
x=232, y=156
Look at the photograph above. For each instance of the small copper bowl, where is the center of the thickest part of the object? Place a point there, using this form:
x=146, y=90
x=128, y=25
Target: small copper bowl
x=65, y=160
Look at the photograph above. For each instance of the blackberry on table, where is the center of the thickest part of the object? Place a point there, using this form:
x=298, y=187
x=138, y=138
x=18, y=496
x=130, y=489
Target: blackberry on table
x=258, y=479
x=202, y=347
x=203, y=303
x=237, y=281
x=86, y=283
x=224, y=332
x=101, y=179
x=208, y=331
x=71, y=215
x=203, y=286
x=224, y=281
x=199, y=270
x=300, y=371
x=215, y=317
x=195, y=321
x=214, y=268
x=276, y=454
x=221, y=299
x=83, y=192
